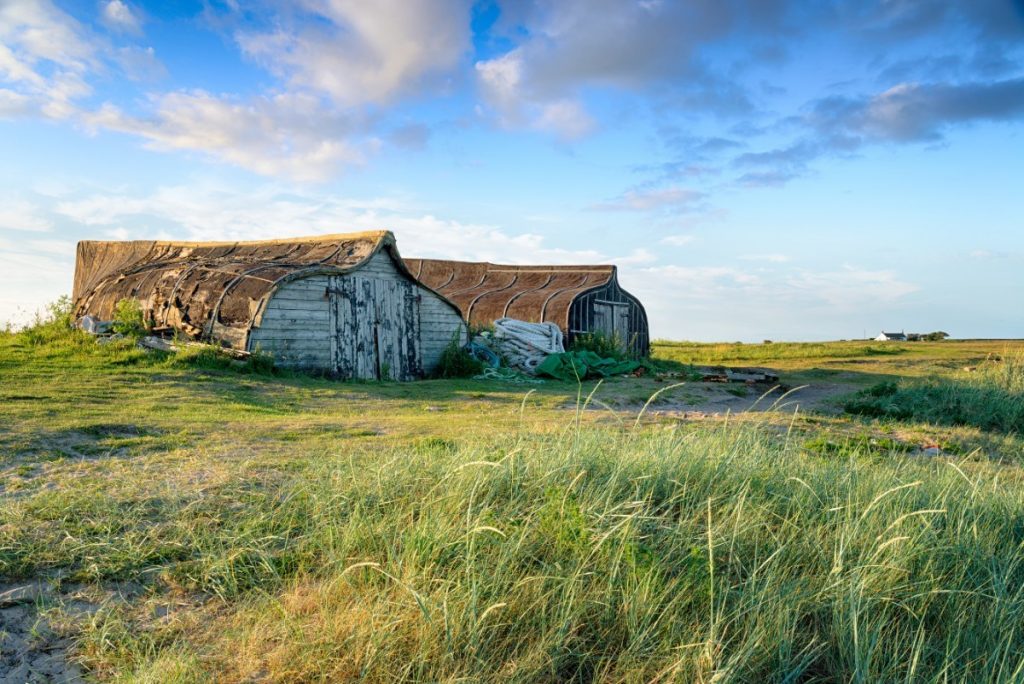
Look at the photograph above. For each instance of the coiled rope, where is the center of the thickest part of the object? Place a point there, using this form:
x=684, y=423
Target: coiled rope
x=523, y=345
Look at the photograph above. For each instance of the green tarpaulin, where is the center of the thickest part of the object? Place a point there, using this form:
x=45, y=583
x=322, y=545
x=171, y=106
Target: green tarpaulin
x=580, y=365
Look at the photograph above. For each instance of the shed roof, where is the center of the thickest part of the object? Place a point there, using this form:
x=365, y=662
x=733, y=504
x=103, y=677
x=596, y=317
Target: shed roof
x=485, y=292
x=211, y=289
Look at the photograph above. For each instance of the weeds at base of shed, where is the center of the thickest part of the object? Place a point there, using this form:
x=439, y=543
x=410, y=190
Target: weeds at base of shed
x=457, y=362
x=129, y=319
x=604, y=346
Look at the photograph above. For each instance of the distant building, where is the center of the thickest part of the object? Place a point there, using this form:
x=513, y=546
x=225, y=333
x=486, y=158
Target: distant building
x=891, y=337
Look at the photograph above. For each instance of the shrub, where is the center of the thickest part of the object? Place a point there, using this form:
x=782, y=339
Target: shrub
x=599, y=343
x=864, y=445
x=260, y=362
x=991, y=399
x=129, y=319
x=209, y=357
x=58, y=312
x=54, y=324
x=457, y=362
x=883, y=351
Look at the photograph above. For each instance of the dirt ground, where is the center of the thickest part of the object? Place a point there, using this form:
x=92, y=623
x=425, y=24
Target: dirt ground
x=38, y=618
x=33, y=647
x=705, y=400
x=817, y=397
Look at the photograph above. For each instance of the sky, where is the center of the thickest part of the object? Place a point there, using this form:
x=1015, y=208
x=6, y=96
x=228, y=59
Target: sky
x=773, y=169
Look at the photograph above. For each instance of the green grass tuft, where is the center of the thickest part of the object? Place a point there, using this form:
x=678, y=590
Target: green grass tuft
x=457, y=362
x=990, y=398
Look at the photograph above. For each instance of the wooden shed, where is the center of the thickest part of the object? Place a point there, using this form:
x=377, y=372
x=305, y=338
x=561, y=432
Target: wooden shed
x=343, y=304
x=579, y=299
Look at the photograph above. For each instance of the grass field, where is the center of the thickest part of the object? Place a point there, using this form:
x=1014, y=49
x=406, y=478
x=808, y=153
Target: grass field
x=179, y=519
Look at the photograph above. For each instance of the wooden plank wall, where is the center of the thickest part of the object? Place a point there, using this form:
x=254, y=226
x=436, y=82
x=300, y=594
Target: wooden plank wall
x=439, y=323
x=585, y=318
x=358, y=324
x=297, y=326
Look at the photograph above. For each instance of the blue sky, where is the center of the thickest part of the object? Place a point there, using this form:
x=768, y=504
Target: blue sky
x=758, y=170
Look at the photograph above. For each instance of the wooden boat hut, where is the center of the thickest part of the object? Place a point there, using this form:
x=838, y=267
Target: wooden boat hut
x=344, y=304
x=579, y=299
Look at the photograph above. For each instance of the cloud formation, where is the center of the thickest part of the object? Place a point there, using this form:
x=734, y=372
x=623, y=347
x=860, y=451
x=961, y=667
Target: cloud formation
x=272, y=212
x=21, y=215
x=44, y=60
x=351, y=53
x=288, y=135
x=918, y=111
x=675, y=199
x=119, y=16
x=576, y=45
x=547, y=66
x=905, y=113
x=362, y=52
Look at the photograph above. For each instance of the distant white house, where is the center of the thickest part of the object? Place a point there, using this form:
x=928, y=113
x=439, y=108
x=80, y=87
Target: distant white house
x=891, y=337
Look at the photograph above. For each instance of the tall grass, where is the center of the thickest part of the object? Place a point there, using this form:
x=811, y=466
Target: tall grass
x=990, y=397
x=623, y=553
x=599, y=555
x=769, y=352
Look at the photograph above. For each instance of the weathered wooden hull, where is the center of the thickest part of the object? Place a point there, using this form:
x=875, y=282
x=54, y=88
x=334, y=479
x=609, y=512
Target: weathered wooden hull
x=343, y=304
x=579, y=299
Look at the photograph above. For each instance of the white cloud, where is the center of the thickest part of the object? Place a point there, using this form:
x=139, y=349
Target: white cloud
x=358, y=52
x=30, y=277
x=637, y=257
x=673, y=198
x=501, y=81
x=120, y=17
x=140, y=64
x=36, y=30
x=850, y=288
x=44, y=56
x=712, y=302
x=678, y=240
x=699, y=282
x=272, y=212
x=14, y=104
x=574, y=45
x=15, y=69
x=566, y=118
x=55, y=247
x=770, y=258
x=502, y=77
x=287, y=134
x=987, y=254
x=20, y=215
